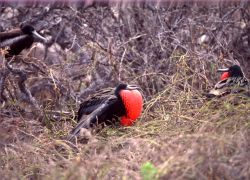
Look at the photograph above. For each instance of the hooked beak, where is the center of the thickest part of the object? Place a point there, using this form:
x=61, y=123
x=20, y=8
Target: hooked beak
x=39, y=36
x=223, y=70
x=132, y=87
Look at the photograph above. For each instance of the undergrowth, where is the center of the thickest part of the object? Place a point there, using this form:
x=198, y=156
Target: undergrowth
x=181, y=139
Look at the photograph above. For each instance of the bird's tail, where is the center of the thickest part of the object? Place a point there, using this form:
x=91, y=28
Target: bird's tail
x=87, y=122
x=84, y=123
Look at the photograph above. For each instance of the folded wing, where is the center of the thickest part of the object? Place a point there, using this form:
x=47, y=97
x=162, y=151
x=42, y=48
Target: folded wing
x=94, y=102
x=90, y=120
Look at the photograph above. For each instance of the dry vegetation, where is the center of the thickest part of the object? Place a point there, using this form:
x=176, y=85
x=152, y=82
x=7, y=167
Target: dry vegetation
x=171, y=51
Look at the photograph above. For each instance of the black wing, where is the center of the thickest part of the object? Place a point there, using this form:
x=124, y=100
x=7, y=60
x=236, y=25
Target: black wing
x=21, y=44
x=233, y=81
x=233, y=84
x=9, y=42
x=10, y=34
x=91, y=120
x=94, y=102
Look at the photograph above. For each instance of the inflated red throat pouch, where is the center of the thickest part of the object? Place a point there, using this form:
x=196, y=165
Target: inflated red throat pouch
x=224, y=76
x=133, y=102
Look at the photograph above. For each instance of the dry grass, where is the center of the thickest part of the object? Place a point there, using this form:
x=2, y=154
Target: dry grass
x=182, y=134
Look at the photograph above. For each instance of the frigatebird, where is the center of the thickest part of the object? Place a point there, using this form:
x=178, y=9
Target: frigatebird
x=108, y=105
x=232, y=81
x=19, y=39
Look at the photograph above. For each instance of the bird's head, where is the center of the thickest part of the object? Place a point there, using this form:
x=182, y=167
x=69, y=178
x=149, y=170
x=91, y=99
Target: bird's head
x=232, y=71
x=27, y=29
x=132, y=100
x=30, y=30
x=123, y=86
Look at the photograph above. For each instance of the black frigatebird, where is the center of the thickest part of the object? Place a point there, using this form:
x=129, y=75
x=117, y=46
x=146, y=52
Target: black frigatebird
x=232, y=81
x=108, y=105
x=19, y=39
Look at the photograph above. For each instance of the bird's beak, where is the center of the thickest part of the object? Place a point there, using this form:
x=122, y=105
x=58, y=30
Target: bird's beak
x=223, y=70
x=39, y=36
x=132, y=87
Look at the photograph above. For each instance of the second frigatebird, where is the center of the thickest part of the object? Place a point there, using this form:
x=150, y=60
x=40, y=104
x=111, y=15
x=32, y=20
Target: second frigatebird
x=232, y=81
x=19, y=39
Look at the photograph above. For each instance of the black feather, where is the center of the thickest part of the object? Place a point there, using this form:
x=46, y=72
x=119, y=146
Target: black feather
x=94, y=101
x=96, y=117
x=236, y=82
x=18, y=39
x=105, y=106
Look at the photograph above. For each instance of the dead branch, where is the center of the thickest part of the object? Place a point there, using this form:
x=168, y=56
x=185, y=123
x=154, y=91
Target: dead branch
x=23, y=76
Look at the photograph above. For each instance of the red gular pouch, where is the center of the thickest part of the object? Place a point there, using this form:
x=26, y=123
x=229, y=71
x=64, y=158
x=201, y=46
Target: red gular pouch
x=133, y=102
x=224, y=76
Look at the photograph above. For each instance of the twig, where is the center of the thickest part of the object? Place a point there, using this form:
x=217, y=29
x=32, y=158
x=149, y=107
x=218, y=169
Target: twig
x=22, y=86
x=4, y=74
x=120, y=66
